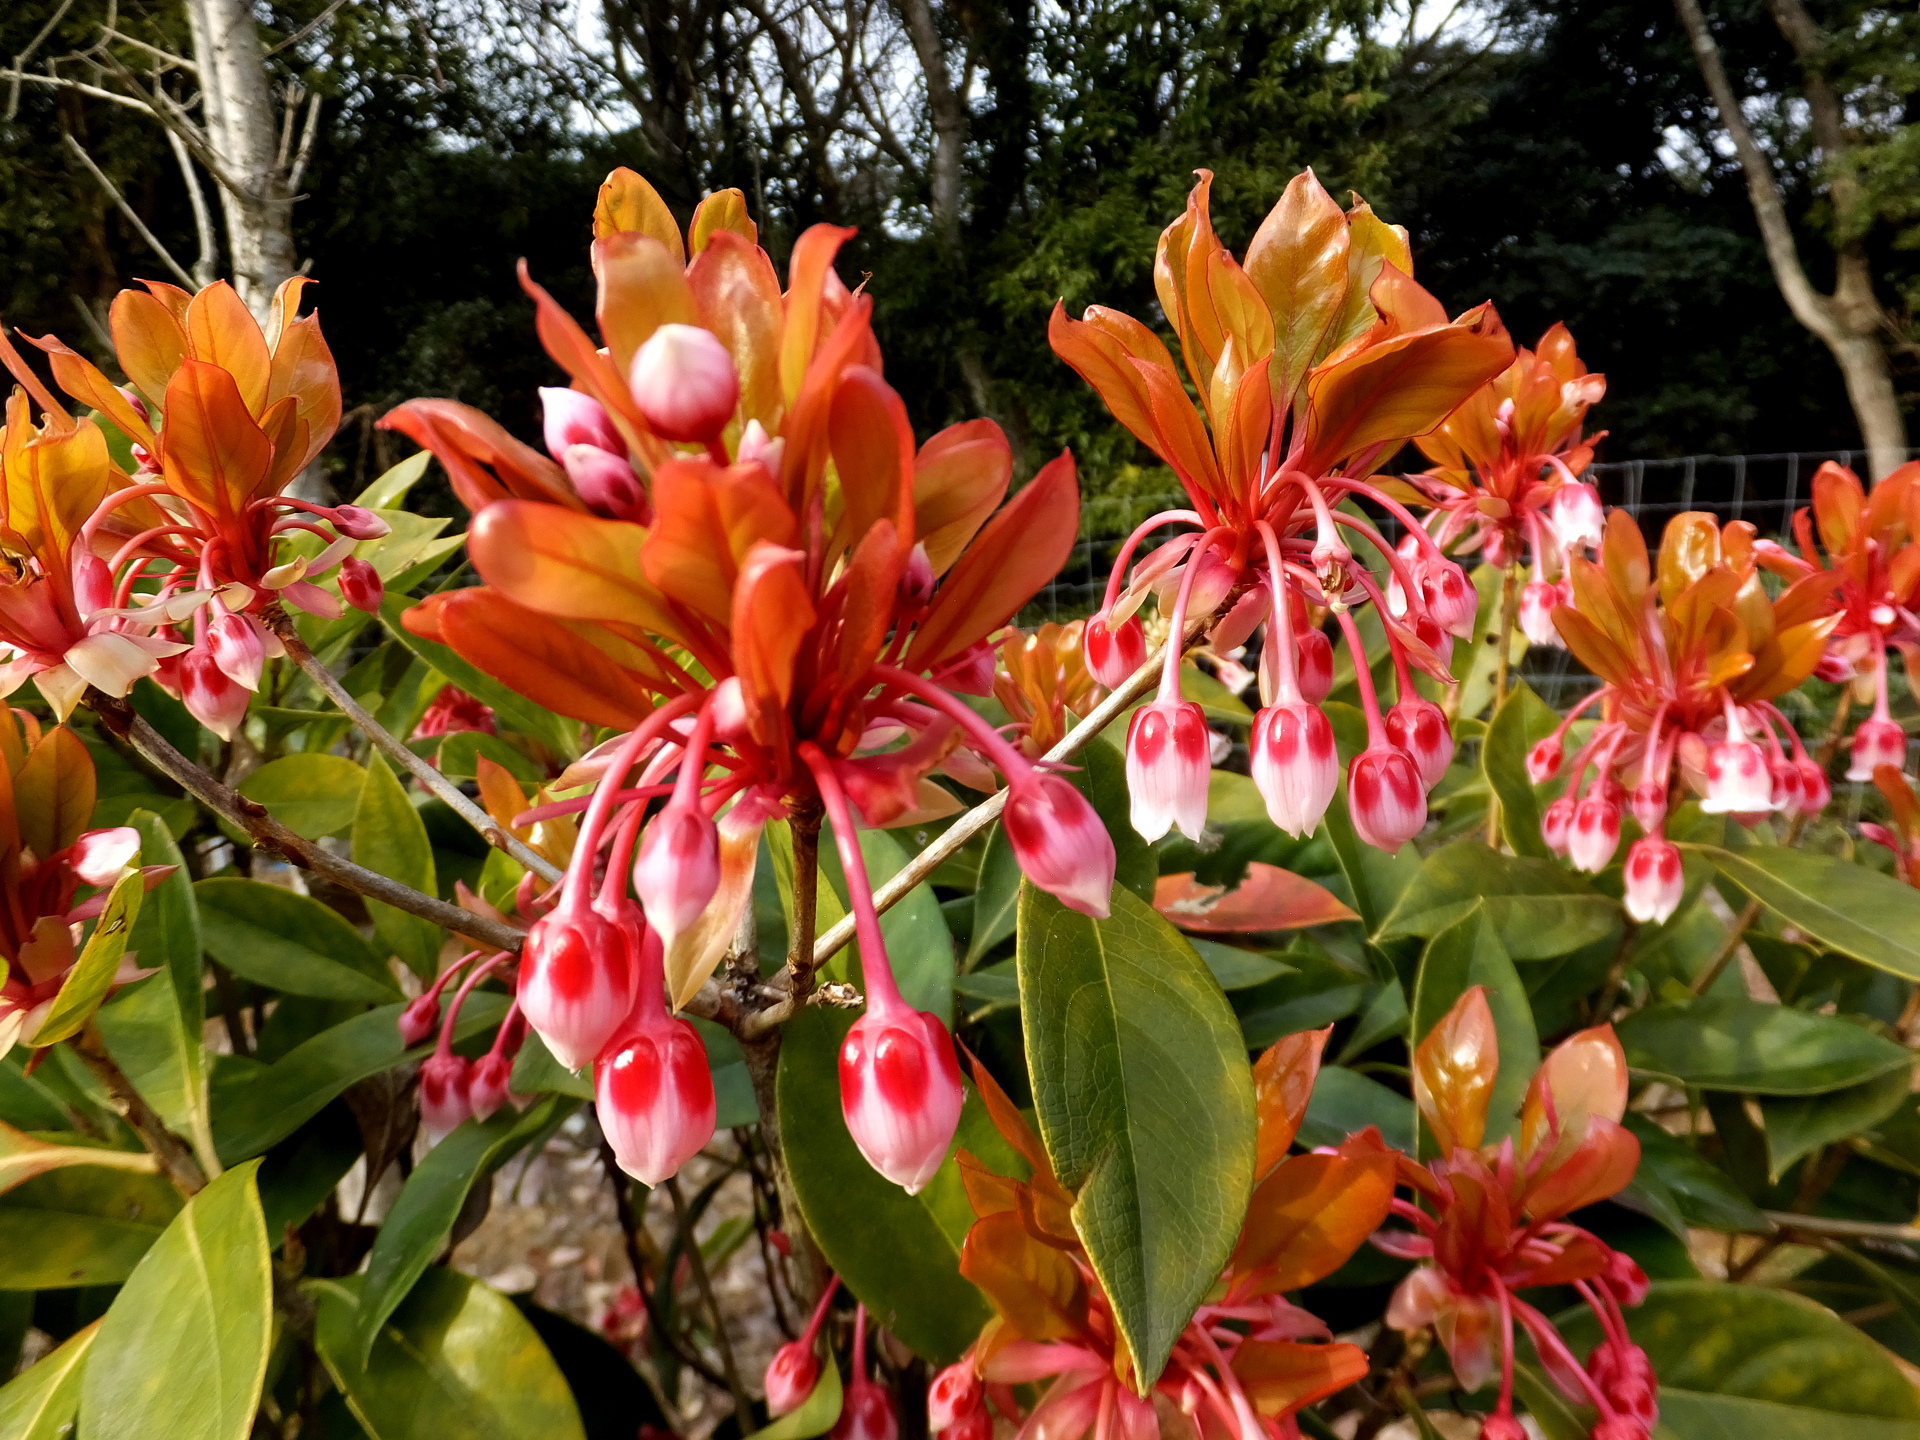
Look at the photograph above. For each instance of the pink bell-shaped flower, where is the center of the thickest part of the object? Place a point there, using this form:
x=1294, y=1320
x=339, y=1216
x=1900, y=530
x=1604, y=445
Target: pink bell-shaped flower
x=577, y=981
x=1314, y=660
x=900, y=1089
x=360, y=585
x=1594, y=834
x=1168, y=766
x=677, y=870
x=652, y=1087
x=1622, y=1373
x=1544, y=759
x=1296, y=767
x=1448, y=595
x=1385, y=797
x=684, y=383
x=1815, y=792
x=1060, y=842
x=1502, y=1426
x=444, y=1099
x=1879, y=741
x=1738, y=781
x=237, y=649
x=1114, y=654
x=356, y=522
x=955, y=1393
x=487, y=1087
x=868, y=1411
x=1648, y=804
x=1556, y=824
x=1537, y=599
x=1654, y=880
x=1576, y=515
x=1788, y=784
x=1419, y=727
x=791, y=1376
x=214, y=698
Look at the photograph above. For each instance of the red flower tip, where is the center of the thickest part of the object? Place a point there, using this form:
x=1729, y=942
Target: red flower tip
x=1114, y=654
x=1556, y=824
x=1738, y=782
x=1385, y=797
x=1419, y=727
x=1879, y=741
x=577, y=982
x=444, y=1099
x=1594, y=834
x=791, y=1376
x=900, y=1092
x=653, y=1094
x=1654, y=880
x=360, y=585
x=956, y=1393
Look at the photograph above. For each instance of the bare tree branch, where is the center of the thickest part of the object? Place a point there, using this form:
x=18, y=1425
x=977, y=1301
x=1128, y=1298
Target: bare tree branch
x=133, y=218
x=205, y=268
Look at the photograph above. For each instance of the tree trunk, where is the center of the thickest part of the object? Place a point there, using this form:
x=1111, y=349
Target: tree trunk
x=1849, y=322
x=240, y=130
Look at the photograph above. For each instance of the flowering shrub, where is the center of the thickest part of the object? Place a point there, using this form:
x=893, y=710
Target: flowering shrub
x=705, y=802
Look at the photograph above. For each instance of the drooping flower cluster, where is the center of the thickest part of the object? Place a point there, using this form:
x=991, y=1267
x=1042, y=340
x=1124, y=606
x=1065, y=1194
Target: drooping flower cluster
x=1489, y=1219
x=46, y=860
x=1691, y=660
x=1504, y=479
x=1870, y=550
x=734, y=555
x=1246, y=1361
x=1315, y=359
x=222, y=417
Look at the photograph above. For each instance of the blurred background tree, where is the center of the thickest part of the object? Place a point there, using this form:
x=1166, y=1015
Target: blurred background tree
x=1563, y=157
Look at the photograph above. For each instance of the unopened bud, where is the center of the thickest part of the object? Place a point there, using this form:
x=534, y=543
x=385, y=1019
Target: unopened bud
x=684, y=383
x=360, y=585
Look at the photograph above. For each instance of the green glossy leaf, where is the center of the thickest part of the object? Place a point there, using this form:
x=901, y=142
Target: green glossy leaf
x=1799, y=1126
x=43, y=1403
x=390, y=487
x=1701, y=1192
x=1749, y=1046
x=559, y=735
x=918, y=942
x=536, y=1072
x=996, y=898
x=1522, y=721
x=312, y=795
x=1101, y=776
x=182, y=1352
x=1468, y=953
x=283, y=1096
x=428, y=1204
x=154, y=1029
x=458, y=752
x=92, y=974
x=456, y=1361
x=1846, y=907
x=614, y=1401
x=899, y=1253
x=1239, y=831
x=80, y=1226
x=1538, y=909
x=290, y=943
x=390, y=837
x=1322, y=987
x=1145, y=1103
x=1238, y=969
x=1344, y=1101
x=817, y=1413
x=1737, y=1361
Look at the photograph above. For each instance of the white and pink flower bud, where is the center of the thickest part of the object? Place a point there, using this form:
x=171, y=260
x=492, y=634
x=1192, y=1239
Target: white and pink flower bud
x=356, y=522
x=956, y=1392
x=684, y=383
x=1595, y=832
x=1787, y=784
x=677, y=869
x=1314, y=664
x=570, y=418
x=1576, y=515
x=487, y=1084
x=1296, y=767
x=444, y=1099
x=1169, y=754
x=867, y=1414
x=360, y=585
x=1815, y=792
x=1537, y=599
x=98, y=856
x=213, y=698
x=577, y=981
x=755, y=445
x=1545, y=758
x=604, y=480
x=791, y=1376
x=1556, y=824
x=1648, y=804
x=1879, y=741
x=1060, y=842
x=1385, y=797
x=92, y=584
x=237, y=649
x=418, y=1020
x=900, y=1091
x=1419, y=727
x=1448, y=595
x=1738, y=781
x=1113, y=655
x=915, y=591
x=653, y=1094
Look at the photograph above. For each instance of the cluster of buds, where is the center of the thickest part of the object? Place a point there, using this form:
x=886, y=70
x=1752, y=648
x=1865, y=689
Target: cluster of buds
x=1488, y=1220
x=1290, y=357
x=1690, y=660
x=682, y=514
x=1504, y=479
x=454, y=1089
x=179, y=570
x=1866, y=547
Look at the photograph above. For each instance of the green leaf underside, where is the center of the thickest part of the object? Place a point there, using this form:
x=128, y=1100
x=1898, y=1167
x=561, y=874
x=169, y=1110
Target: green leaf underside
x=1145, y=1103
x=287, y=942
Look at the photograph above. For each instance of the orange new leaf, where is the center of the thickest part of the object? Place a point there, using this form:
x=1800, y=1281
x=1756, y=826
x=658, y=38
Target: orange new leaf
x=1454, y=1070
x=1283, y=1079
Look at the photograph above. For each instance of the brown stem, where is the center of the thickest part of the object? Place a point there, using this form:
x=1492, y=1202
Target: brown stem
x=1729, y=943
x=1616, y=976
x=1509, y=589
x=174, y=1154
x=435, y=783
x=696, y=1262
x=636, y=1244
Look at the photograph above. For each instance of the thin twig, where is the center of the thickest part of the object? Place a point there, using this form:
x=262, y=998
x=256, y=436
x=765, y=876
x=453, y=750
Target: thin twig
x=1504, y=639
x=697, y=1263
x=119, y=200
x=437, y=784
x=174, y=1155
x=203, y=268
x=1844, y=1229
x=633, y=1237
